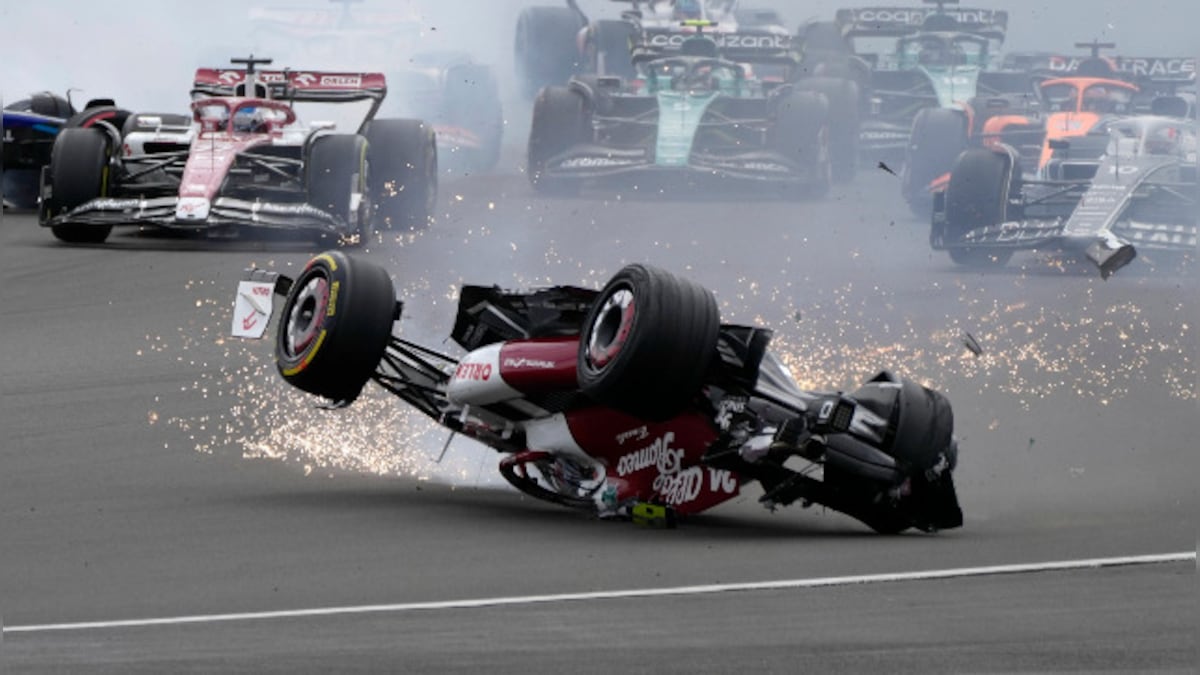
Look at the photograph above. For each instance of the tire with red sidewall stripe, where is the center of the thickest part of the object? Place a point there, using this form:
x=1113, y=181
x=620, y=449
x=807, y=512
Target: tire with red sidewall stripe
x=335, y=326
x=647, y=342
x=92, y=116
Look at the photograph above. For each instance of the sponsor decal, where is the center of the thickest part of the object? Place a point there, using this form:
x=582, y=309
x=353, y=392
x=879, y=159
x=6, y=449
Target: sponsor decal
x=658, y=454
x=722, y=480
x=677, y=488
x=341, y=81
x=333, y=297
x=594, y=162
x=523, y=362
x=635, y=434
x=727, y=408
x=230, y=76
x=724, y=40
x=473, y=371
x=305, y=79
x=916, y=17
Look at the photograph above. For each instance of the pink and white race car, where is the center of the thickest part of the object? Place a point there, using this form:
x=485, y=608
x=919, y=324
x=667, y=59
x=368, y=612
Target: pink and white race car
x=242, y=160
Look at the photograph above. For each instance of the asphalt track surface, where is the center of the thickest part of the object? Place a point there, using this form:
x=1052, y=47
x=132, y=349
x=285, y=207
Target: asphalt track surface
x=153, y=468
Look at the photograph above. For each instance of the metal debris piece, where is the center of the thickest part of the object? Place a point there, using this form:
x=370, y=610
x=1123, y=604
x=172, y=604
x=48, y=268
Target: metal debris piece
x=886, y=168
x=972, y=344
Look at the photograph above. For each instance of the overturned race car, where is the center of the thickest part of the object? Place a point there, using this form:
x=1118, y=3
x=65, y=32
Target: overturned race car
x=630, y=402
x=242, y=159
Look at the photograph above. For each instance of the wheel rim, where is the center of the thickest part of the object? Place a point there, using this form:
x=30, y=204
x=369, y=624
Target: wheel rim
x=611, y=328
x=304, y=319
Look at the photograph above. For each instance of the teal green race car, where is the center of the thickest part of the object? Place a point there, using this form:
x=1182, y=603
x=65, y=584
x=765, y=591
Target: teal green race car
x=698, y=119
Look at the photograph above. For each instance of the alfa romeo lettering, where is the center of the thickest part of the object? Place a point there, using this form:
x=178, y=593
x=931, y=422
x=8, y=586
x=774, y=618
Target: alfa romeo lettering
x=680, y=488
x=473, y=371
x=658, y=454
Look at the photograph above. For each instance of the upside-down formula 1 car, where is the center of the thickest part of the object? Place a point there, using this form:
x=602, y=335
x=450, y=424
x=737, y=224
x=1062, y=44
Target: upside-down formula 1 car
x=244, y=160
x=1129, y=184
x=28, y=128
x=634, y=401
x=453, y=92
x=691, y=116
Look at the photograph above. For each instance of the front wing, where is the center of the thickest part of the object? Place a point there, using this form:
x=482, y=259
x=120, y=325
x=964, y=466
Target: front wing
x=591, y=161
x=224, y=212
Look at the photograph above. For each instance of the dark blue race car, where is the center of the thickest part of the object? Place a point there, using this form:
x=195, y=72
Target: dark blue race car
x=29, y=128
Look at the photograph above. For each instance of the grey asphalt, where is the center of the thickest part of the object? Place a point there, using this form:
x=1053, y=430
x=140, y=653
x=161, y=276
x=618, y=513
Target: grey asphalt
x=151, y=467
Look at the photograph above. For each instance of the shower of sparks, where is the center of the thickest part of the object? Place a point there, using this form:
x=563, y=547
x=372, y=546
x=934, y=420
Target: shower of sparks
x=1079, y=345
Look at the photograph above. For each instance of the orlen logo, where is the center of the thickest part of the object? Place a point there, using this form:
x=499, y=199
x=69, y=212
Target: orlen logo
x=260, y=290
x=473, y=371
x=230, y=76
x=305, y=79
x=341, y=81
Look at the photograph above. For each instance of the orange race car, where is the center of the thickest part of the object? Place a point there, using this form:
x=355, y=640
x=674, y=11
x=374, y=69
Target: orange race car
x=1073, y=97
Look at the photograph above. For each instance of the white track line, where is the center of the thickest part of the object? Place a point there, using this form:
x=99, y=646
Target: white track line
x=927, y=575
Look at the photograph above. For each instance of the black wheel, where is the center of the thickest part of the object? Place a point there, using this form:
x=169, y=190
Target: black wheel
x=843, y=96
x=801, y=133
x=336, y=177
x=151, y=121
x=335, y=326
x=560, y=120
x=403, y=181
x=938, y=136
x=78, y=174
x=977, y=196
x=647, y=342
x=545, y=49
x=472, y=102
x=610, y=47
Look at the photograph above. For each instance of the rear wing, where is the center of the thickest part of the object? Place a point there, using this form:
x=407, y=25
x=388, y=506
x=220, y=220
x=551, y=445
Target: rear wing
x=900, y=21
x=756, y=45
x=293, y=85
x=1138, y=69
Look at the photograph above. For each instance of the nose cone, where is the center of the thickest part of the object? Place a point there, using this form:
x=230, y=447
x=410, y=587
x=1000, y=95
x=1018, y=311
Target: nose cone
x=192, y=209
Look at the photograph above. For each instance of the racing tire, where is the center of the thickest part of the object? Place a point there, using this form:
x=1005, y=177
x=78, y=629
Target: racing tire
x=561, y=119
x=78, y=174
x=335, y=172
x=335, y=326
x=647, y=342
x=610, y=48
x=801, y=133
x=977, y=196
x=937, y=138
x=844, y=128
x=545, y=48
x=403, y=181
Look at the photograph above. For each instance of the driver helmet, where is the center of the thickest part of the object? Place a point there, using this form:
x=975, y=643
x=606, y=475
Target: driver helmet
x=1162, y=141
x=250, y=120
